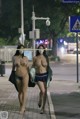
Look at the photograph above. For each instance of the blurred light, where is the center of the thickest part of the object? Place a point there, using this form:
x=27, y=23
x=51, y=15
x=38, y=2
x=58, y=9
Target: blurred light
x=41, y=41
x=37, y=42
x=65, y=43
x=62, y=49
x=46, y=42
x=61, y=40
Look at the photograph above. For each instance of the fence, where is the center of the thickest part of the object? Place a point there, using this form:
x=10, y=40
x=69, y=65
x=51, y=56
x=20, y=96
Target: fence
x=6, y=53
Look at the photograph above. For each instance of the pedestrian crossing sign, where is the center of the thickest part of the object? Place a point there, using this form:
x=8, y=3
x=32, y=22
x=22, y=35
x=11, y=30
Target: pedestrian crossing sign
x=74, y=23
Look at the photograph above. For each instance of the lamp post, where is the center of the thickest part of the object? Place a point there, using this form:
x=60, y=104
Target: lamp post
x=22, y=38
x=33, y=29
x=34, y=18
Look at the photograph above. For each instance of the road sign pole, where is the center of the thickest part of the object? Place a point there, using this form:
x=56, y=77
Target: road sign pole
x=77, y=57
x=74, y=22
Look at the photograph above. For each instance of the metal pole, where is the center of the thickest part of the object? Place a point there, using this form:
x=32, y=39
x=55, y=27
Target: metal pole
x=34, y=18
x=0, y=7
x=33, y=29
x=22, y=22
x=77, y=57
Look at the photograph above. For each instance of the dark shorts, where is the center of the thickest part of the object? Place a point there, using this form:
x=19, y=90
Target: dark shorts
x=41, y=77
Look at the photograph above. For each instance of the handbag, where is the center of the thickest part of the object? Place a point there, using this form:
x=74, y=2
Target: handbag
x=30, y=82
x=50, y=73
x=32, y=73
x=12, y=79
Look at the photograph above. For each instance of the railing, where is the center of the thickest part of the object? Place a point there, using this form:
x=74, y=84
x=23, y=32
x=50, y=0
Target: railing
x=6, y=54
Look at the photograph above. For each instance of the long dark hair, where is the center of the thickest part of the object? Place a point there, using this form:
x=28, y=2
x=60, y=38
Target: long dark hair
x=44, y=53
x=17, y=51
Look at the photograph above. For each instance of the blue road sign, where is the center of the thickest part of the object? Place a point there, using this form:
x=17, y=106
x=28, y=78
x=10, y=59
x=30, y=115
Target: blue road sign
x=71, y=1
x=74, y=23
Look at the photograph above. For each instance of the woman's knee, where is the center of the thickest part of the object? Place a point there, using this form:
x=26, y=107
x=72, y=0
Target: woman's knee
x=24, y=90
x=43, y=92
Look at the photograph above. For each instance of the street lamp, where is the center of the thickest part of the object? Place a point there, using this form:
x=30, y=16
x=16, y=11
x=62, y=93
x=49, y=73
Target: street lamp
x=22, y=36
x=34, y=18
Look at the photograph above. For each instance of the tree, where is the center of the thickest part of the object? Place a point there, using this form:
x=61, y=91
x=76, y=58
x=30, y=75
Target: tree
x=58, y=12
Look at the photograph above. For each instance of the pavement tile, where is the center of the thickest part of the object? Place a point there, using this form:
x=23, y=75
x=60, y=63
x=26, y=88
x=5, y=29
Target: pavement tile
x=9, y=102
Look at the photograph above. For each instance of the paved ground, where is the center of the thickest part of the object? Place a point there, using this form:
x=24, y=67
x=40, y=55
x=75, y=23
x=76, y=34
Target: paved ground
x=65, y=97
x=9, y=102
x=63, y=100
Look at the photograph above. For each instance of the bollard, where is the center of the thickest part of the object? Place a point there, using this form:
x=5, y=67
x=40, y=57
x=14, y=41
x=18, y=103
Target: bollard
x=2, y=67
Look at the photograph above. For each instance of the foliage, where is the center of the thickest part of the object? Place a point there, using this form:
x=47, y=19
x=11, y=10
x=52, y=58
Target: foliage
x=10, y=19
x=55, y=58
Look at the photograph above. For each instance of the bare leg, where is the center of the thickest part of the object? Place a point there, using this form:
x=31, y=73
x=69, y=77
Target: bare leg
x=43, y=90
x=19, y=85
x=23, y=101
x=24, y=92
x=43, y=102
x=44, y=97
x=40, y=99
x=20, y=99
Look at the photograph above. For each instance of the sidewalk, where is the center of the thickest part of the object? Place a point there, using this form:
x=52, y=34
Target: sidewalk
x=65, y=99
x=9, y=102
x=57, y=92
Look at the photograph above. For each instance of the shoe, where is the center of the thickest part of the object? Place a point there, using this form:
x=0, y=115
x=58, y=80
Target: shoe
x=39, y=105
x=42, y=112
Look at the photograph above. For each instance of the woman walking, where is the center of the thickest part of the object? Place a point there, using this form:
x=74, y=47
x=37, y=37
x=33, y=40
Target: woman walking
x=40, y=63
x=20, y=66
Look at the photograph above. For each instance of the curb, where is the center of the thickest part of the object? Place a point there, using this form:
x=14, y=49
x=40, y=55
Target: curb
x=51, y=107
